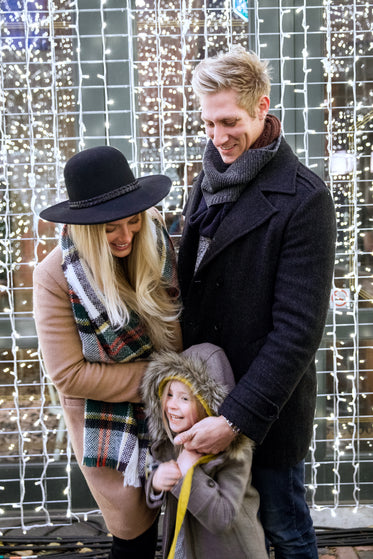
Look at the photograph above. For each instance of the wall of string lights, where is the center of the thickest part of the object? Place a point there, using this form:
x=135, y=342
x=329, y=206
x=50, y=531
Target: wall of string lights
x=79, y=73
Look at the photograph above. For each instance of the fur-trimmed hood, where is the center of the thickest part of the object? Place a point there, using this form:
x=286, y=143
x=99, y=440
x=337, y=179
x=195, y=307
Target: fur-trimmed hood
x=204, y=368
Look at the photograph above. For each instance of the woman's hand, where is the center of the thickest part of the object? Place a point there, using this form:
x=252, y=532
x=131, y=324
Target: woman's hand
x=166, y=476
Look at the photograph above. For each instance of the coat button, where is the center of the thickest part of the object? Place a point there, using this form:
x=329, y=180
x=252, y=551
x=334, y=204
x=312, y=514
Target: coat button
x=211, y=483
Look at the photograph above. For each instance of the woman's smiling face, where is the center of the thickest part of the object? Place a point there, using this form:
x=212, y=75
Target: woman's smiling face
x=120, y=234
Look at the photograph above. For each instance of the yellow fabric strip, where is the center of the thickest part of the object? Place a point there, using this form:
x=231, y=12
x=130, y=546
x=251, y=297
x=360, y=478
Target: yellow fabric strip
x=184, y=499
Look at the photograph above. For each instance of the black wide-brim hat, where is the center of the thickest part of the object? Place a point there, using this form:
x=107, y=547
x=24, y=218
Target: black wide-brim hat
x=102, y=188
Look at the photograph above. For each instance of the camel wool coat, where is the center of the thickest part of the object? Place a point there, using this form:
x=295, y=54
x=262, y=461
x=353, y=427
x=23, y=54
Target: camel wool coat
x=77, y=379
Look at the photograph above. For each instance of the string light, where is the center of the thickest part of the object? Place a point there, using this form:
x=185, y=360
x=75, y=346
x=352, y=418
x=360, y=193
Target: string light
x=73, y=76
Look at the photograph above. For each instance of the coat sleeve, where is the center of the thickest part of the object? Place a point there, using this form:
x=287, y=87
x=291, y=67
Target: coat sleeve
x=216, y=500
x=62, y=351
x=153, y=501
x=301, y=298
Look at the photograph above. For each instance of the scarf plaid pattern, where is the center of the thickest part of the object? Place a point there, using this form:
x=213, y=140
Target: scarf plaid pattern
x=115, y=434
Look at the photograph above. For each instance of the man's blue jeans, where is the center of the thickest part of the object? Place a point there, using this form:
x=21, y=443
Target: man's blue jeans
x=284, y=512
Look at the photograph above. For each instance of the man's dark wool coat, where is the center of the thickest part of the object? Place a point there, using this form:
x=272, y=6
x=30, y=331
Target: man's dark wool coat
x=262, y=292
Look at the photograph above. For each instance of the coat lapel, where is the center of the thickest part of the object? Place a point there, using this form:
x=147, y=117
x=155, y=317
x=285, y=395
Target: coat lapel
x=249, y=212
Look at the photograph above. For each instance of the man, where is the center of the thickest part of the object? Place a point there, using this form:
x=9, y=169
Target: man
x=255, y=268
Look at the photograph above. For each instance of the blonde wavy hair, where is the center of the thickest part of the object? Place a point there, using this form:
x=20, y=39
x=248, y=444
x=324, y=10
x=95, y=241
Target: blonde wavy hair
x=237, y=69
x=131, y=284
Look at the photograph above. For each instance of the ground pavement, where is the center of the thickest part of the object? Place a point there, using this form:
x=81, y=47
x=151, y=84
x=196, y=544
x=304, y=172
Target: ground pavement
x=359, y=552
x=90, y=540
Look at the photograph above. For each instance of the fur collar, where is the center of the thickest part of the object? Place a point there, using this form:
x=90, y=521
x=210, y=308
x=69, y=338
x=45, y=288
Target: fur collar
x=205, y=368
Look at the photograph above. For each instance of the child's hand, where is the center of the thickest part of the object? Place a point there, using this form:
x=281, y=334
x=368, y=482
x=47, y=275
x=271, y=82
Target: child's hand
x=166, y=476
x=187, y=458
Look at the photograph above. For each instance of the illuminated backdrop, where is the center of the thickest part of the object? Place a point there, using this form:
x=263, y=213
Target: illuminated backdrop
x=75, y=74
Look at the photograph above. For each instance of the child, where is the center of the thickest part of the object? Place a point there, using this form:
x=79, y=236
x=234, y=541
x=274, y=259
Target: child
x=222, y=506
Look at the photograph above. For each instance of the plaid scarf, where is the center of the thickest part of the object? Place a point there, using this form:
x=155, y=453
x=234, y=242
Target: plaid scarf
x=115, y=434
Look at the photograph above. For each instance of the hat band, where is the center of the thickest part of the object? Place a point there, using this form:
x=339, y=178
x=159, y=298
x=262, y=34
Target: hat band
x=77, y=205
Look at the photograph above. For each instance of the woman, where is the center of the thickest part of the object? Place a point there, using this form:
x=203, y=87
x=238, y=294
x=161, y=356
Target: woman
x=104, y=300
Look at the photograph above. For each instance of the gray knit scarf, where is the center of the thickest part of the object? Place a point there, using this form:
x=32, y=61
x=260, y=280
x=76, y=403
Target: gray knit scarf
x=224, y=183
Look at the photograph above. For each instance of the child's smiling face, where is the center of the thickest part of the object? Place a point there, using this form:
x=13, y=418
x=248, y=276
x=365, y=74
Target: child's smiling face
x=181, y=407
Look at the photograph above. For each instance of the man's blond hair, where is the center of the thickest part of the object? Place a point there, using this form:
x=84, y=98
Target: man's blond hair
x=237, y=69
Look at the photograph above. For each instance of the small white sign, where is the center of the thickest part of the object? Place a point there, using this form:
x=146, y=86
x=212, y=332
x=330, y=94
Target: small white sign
x=340, y=298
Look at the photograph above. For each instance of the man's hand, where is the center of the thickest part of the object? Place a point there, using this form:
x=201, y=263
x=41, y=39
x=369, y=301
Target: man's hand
x=211, y=435
x=166, y=476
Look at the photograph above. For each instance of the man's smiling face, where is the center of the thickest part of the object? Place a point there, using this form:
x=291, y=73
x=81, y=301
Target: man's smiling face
x=230, y=127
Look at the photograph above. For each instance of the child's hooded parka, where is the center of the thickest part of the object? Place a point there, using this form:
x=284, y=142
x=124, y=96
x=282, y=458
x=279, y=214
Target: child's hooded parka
x=221, y=520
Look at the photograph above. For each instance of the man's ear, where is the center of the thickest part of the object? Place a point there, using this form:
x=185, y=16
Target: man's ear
x=263, y=107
